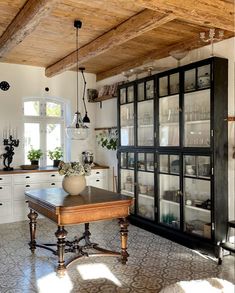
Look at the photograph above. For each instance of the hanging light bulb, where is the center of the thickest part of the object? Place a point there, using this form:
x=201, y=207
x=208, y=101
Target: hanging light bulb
x=78, y=130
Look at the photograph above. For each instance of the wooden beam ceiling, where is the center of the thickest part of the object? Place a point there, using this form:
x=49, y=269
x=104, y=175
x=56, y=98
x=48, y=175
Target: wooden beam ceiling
x=155, y=55
x=24, y=23
x=129, y=29
x=212, y=13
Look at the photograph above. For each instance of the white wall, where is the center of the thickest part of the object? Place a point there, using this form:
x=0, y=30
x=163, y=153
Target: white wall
x=30, y=81
x=107, y=115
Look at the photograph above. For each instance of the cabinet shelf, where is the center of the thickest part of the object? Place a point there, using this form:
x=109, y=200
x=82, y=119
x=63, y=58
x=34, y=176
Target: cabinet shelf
x=197, y=121
x=131, y=193
x=170, y=202
x=198, y=209
x=145, y=125
x=146, y=196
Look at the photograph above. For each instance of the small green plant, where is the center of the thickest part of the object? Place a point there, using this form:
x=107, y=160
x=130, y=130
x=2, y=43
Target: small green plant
x=56, y=154
x=34, y=155
x=108, y=139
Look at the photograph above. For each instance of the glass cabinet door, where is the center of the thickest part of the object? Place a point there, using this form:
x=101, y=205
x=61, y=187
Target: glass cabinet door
x=127, y=124
x=169, y=121
x=169, y=190
x=145, y=113
x=197, y=195
x=145, y=190
x=127, y=178
x=197, y=107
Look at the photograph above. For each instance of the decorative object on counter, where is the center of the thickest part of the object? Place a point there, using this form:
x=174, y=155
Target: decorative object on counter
x=108, y=138
x=34, y=156
x=74, y=176
x=56, y=155
x=78, y=130
x=29, y=167
x=106, y=92
x=87, y=157
x=212, y=38
x=9, y=144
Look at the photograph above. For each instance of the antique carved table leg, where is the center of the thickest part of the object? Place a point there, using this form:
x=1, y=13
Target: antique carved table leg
x=32, y=226
x=124, y=232
x=61, y=234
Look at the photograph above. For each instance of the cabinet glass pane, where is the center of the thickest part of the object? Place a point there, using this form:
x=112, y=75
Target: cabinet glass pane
x=141, y=91
x=169, y=200
x=174, y=83
x=127, y=184
x=197, y=119
x=169, y=121
x=150, y=162
x=197, y=207
x=130, y=94
x=123, y=96
x=203, y=79
x=190, y=80
x=197, y=166
x=127, y=160
x=163, y=86
x=145, y=123
x=164, y=163
x=127, y=124
x=145, y=194
x=145, y=162
x=149, y=89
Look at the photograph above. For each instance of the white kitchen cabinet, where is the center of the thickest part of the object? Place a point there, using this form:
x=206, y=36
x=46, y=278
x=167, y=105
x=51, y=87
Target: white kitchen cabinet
x=13, y=206
x=5, y=198
x=98, y=178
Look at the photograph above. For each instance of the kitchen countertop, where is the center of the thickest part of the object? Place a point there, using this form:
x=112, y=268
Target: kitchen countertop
x=44, y=169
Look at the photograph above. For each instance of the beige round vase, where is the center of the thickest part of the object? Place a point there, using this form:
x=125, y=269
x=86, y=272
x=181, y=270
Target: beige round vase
x=74, y=184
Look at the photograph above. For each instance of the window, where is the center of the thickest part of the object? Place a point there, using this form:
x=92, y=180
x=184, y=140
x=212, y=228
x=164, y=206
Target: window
x=43, y=126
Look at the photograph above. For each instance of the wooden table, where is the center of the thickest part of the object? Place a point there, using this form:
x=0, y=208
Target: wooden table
x=93, y=204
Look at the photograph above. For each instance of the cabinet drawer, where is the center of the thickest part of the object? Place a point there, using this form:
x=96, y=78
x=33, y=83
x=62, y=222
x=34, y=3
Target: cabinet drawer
x=53, y=176
x=5, y=211
x=29, y=177
x=5, y=192
x=99, y=173
x=19, y=189
x=5, y=179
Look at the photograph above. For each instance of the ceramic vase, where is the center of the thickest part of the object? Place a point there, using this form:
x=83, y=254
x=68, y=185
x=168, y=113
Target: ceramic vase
x=74, y=184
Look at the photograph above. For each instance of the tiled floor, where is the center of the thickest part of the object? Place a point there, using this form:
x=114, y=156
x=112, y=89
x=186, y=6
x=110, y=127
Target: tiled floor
x=153, y=264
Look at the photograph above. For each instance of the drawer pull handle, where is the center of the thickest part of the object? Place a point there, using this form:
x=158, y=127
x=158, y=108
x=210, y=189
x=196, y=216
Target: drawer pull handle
x=53, y=175
x=52, y=183
x=27, y=177
x=0, y=204
x=1, y=187
x=1, y=178
x=27, y=185
x=97, y=172
x=97, y=180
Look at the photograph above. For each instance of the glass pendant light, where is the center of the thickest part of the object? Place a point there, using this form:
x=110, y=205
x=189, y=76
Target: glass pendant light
x=78, y=130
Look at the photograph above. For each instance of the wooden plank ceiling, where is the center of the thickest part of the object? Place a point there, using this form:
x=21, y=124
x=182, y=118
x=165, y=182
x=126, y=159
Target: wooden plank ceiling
x=116, y=35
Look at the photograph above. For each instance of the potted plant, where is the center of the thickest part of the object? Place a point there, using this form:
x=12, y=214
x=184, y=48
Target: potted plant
x=56, y=155
x=34, y=156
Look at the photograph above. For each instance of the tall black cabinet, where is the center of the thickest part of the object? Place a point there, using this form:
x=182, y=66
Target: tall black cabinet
x=173, y=152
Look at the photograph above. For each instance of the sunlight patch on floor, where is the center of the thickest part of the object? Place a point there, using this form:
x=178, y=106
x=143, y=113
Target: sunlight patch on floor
x=97, y=271
x=52, y=283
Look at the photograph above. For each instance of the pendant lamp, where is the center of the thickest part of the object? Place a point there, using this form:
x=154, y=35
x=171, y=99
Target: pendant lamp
x=78, y=130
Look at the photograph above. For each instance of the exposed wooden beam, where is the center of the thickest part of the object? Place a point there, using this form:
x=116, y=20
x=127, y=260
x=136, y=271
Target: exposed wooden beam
x=211, y=13
x=155, y=55
x=24, y=23
x=129, y=29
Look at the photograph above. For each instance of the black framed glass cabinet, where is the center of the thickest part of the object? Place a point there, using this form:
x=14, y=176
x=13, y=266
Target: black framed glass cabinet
x=172, y=155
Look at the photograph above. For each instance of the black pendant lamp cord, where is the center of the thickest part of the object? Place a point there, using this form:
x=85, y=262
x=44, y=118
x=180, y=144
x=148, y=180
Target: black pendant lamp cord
x=84, y=90
x=77, y=125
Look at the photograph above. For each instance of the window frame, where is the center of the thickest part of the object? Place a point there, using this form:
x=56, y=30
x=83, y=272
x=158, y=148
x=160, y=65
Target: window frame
x=44, y=120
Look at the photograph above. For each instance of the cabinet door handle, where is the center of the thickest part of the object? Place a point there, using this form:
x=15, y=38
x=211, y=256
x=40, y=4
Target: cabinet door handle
x=27, y=185
x=53, y=175
x=97, y=180
x=1, y=187
x=27, y=177
x=52, y=183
